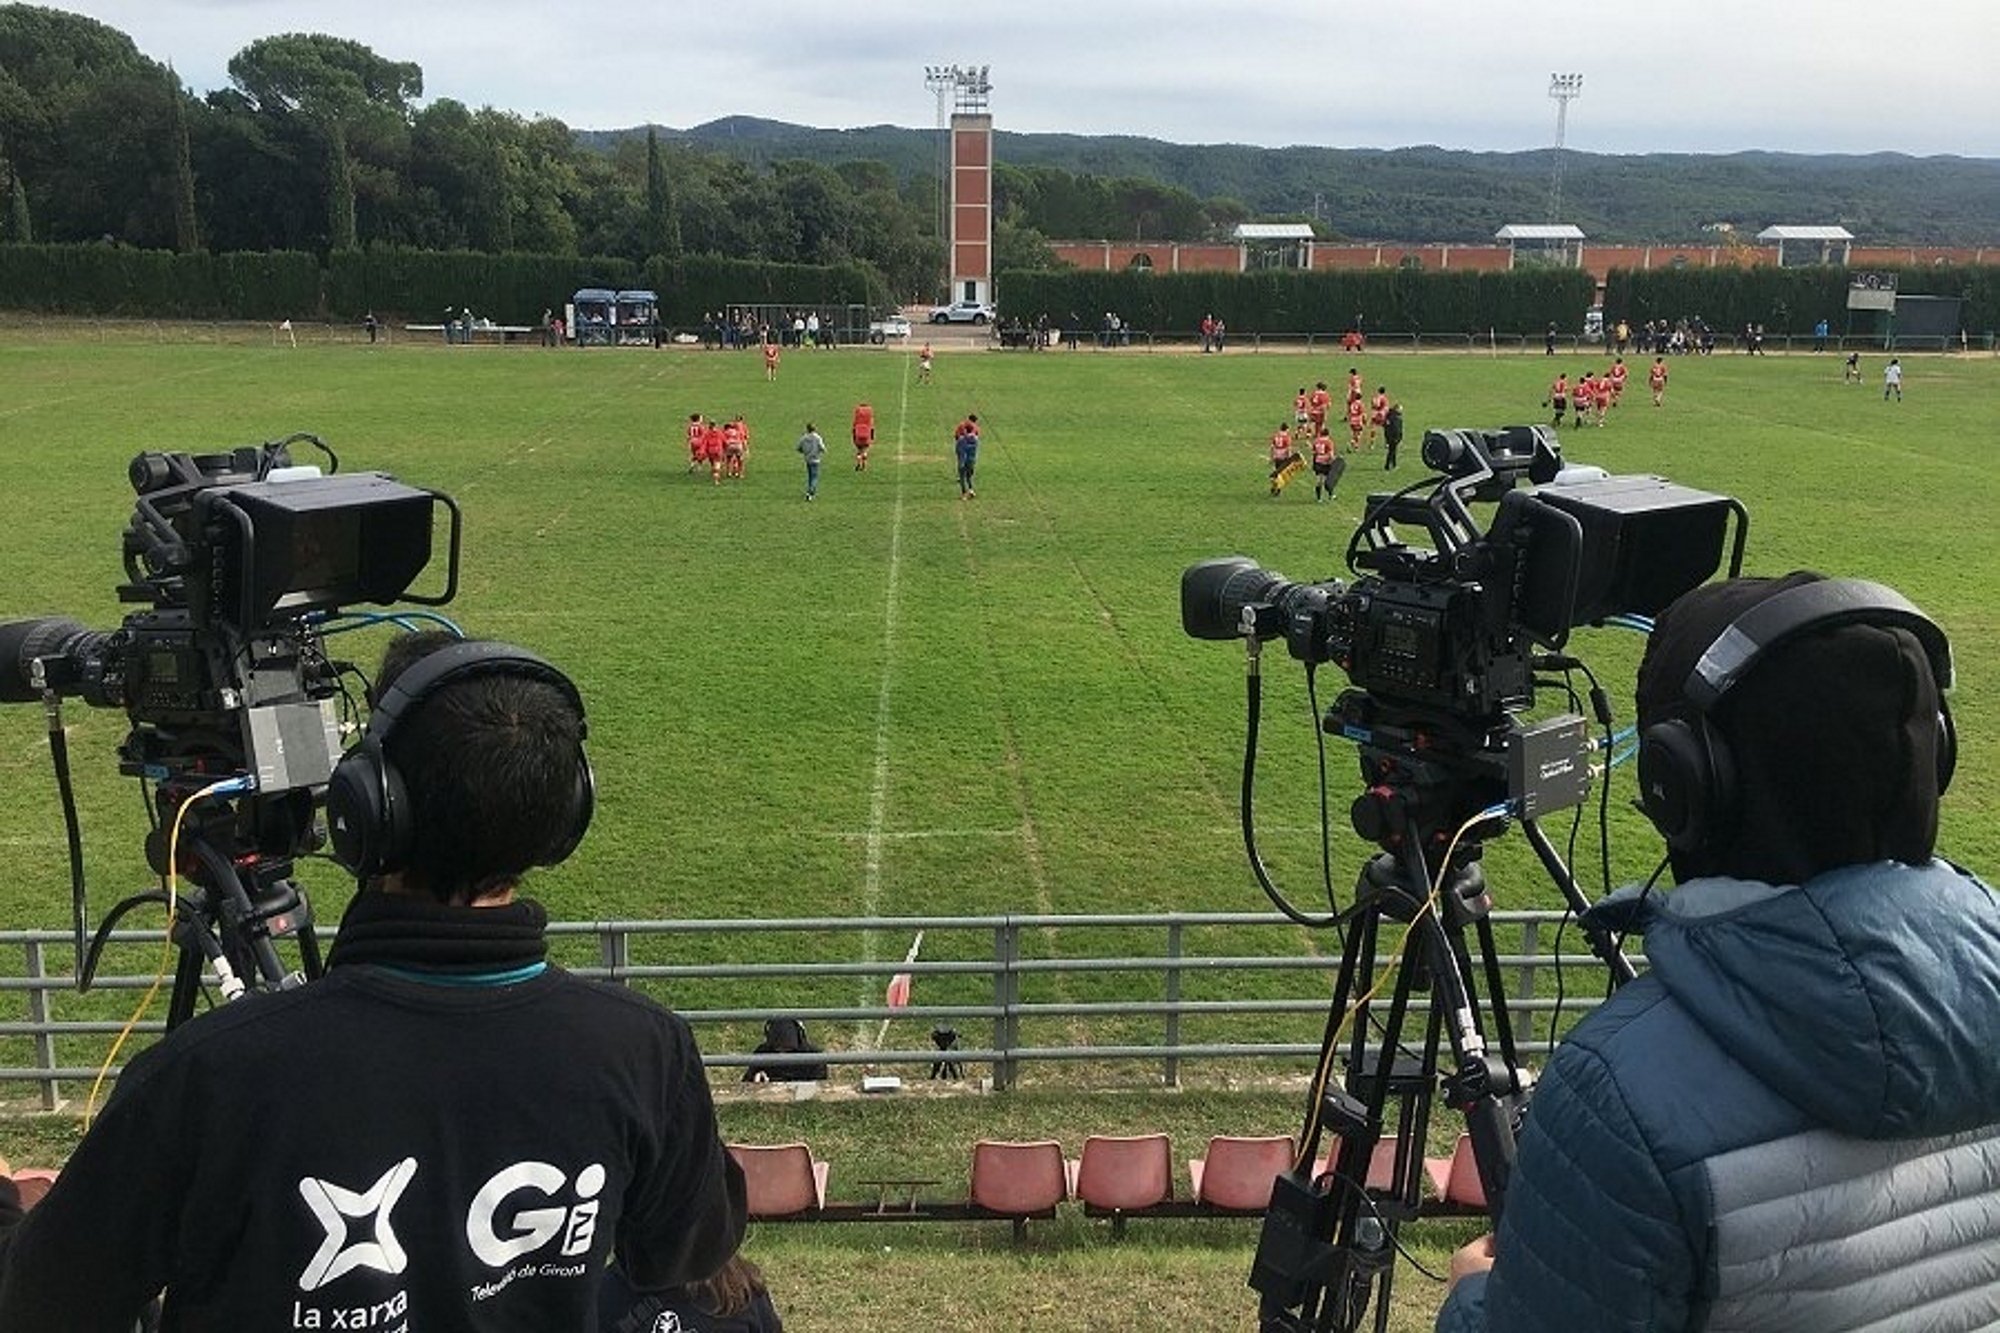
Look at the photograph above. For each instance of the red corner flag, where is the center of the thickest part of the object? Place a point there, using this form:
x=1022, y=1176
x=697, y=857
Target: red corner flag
x=898, y=994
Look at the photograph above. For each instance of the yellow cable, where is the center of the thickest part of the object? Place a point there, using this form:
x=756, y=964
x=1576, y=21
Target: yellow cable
x=1304, y=1159
x=166, y=955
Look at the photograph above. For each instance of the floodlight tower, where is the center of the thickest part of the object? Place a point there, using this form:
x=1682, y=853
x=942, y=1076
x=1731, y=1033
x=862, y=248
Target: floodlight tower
x=965, y=185
x=941, y=80
x=1564, y=88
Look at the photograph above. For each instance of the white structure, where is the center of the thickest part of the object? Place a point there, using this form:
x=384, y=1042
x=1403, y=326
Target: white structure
x=1273, y=245
x=1831, y=243
x=1555, y=240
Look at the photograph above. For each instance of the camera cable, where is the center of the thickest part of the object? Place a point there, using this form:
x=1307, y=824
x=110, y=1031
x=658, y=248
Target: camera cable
x=1254, y=695
x=1328, y=1049
x=227, y=786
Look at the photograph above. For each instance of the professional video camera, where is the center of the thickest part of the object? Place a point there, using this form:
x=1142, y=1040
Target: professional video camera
x=1441, y=645
x=240, y=559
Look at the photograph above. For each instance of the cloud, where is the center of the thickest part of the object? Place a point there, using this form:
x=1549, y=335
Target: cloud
x=1699, y=76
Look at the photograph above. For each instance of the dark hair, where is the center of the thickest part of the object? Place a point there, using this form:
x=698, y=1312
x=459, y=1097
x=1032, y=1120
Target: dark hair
x=491, y=766
x=731, y=1290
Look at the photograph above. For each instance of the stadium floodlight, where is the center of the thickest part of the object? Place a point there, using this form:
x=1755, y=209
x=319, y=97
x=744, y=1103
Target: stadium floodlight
x=1564, y=88
x=941, y=80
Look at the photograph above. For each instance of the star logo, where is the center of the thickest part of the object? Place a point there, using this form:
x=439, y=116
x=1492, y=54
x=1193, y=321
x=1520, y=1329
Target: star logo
x=335, y=1208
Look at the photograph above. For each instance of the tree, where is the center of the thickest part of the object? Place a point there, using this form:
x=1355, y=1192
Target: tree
x=663, y=229
x=187, y=227
x=1018, y=248
x=84, y=119
x=342, y=93
x=20, y=227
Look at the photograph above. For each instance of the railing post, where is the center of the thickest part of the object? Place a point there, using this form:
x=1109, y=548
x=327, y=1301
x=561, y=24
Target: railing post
x=1173, y=1061
x=614, y=949
x=1006, y=995
x=1524, y=984
x=45, y=1037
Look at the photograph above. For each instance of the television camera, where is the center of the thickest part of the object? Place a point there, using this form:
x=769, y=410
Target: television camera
x=1442, y=644
x=238, y=561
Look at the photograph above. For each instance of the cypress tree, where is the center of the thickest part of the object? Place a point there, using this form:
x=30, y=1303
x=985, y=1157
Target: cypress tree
x=340, y=193
x=663, y=228
x=20, y=229
x=187, y=230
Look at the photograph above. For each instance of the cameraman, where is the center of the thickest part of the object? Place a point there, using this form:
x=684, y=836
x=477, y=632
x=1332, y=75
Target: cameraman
x=446, y=1132
x=1792, y=1121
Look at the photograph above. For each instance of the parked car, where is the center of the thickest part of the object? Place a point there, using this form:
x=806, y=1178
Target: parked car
x=889, y=326
x=962, y=312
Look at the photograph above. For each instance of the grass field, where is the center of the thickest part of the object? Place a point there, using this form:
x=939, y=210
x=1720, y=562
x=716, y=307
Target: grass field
x=891, y=701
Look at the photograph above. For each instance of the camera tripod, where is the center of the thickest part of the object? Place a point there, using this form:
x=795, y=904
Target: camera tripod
x=1328, y=1249
x=242, y=899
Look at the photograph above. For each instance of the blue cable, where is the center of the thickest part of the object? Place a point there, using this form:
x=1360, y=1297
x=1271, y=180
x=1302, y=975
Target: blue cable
x=351, y=620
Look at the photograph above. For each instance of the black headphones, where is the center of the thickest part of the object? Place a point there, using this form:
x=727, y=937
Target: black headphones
x=1687, y=775
x=367, y=805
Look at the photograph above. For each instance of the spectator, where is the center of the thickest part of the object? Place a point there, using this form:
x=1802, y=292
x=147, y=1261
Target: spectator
x=784, y=1036
x=446, y=1125
x=1792, y=1120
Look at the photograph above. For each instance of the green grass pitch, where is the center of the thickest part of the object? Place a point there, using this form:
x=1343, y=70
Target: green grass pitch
x=893, y=701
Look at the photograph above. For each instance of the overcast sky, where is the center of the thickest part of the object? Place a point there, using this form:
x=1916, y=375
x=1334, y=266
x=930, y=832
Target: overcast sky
x=1703, y=76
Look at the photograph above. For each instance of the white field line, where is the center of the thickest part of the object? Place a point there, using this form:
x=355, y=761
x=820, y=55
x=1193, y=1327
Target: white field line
x=878, y=794
x=915, y=834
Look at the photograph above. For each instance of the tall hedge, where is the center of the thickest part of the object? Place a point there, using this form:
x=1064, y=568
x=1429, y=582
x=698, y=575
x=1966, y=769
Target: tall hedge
x=1788, y=300
x=419, y=285
x=118, y=280
x=1388, y=300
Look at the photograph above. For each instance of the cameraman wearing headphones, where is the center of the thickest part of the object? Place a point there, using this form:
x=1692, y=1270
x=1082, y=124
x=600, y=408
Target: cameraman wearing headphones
x=1792, y=1121
x=446, y=1132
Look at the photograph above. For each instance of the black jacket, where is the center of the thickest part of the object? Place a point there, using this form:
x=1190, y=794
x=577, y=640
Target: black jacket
x=444, y=1133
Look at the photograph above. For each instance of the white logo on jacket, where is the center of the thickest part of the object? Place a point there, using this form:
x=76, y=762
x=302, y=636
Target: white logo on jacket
x=530, y=1228
x=334, y=1206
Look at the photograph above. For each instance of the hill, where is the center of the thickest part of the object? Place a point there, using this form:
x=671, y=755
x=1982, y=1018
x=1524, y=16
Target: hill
x=1430, y=193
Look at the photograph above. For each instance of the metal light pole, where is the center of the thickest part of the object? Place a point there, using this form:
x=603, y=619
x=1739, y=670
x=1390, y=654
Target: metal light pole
x=942, y=80
x=1564, y=88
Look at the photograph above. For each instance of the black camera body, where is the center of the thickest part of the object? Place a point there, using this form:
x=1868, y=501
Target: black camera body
x=238, y=558
x=1452, y=626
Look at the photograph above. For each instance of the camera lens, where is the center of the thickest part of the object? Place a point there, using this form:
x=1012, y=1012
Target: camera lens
x=22, y=641
x=1214, y=593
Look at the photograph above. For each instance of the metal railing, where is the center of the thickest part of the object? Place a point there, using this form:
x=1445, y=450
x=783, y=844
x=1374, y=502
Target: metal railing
x=1164, y=989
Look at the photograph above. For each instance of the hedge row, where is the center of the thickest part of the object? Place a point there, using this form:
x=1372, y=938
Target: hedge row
x=1287, y=301
x=516, y=288
x=418, y=285
x=114, y=280
x=1788, y=300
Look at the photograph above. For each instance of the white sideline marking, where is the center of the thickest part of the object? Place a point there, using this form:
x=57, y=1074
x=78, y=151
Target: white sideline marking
x=878, y=795
x=909, y=835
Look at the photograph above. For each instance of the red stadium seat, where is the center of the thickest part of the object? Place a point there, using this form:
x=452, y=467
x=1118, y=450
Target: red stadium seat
x=781, y=1180
x=1238, y=1173
x=1119, y=1175
x=1019, y=1180
x=1456, y=1179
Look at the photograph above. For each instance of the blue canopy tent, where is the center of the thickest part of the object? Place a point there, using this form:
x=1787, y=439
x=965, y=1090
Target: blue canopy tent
x=591, y=311
x=638, y=317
